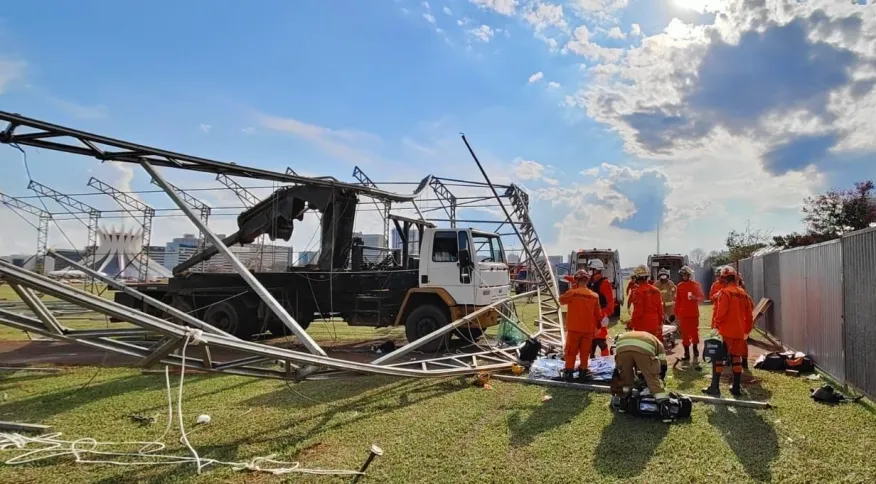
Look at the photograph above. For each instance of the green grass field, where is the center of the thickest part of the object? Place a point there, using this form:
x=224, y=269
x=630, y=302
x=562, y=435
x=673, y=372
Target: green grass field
x=442, y=431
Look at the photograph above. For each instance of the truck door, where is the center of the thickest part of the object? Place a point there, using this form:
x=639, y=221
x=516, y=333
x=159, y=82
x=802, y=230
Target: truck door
x=445, y=269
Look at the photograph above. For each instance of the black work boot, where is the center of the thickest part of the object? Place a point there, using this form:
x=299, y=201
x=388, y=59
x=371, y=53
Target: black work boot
x=714, y=390
x=569, y=375
x=696, y=351
x=736, y=388
x=583, y=376
x=686, y=356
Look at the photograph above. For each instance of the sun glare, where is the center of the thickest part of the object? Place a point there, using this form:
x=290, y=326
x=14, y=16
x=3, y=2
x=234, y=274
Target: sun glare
x=696, y=5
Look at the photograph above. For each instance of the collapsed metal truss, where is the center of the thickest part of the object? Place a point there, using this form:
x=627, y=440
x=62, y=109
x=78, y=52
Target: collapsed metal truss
x=133, y=207
x=42, y=227
x=363, y=179
x=192, y=202
x=296, y=364
x=75, y=207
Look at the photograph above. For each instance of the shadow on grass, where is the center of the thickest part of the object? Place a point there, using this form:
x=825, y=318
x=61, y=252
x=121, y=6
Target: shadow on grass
x=562, y=409
x=627, y=445
x=751, y=438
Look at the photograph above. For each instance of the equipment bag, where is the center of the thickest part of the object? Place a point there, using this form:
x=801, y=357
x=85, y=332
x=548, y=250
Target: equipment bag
x=672, y=408
x=785, y=361
x=530, y=350
x=714, y=349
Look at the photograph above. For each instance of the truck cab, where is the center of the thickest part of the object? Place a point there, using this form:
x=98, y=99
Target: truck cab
x=611, y=260
x=460, y=270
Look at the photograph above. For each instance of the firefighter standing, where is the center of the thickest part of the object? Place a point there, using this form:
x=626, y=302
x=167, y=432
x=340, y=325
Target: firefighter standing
x=604, y=289
x=687, y=312
x=647, y=305
x=582, y=321
x=667, y=293
x=732, y=319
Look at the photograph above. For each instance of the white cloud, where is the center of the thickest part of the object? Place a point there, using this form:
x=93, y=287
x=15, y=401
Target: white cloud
x=426, y=5
x=527, y=169
x=553, y=85
x=248, y=130
x=483, y=33
x=636, y=30
x=206, y=128
x=343, y=144
x=599, y=10
x=463, y=21
x=544, y=15
x=536, y=77
x=405, y=11
x=504, y=7
x=581, y=44
x=448, y=11
x=616, y=33
x=10, y=70
x=429, y=18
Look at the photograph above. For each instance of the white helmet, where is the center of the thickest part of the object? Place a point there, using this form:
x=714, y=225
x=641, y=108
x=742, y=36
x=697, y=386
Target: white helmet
x=597, y=265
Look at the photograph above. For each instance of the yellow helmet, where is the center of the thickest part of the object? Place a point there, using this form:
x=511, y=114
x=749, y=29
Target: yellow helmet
x=686, y=270
x=640, y=271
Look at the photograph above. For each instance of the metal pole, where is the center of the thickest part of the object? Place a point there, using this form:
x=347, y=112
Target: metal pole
x=554, y=289
x=238, y=267
x=375, y=452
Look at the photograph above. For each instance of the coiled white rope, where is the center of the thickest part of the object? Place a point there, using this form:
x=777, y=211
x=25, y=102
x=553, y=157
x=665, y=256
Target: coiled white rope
x=88, y=450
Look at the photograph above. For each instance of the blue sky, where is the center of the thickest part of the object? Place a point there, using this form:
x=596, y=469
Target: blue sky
x=617, y=115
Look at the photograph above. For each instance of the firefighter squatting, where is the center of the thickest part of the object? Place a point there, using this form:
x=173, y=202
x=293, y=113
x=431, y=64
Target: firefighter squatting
x=590, y=301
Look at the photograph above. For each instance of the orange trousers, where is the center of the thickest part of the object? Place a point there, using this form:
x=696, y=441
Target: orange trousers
x=690, y=331
x=737, y=349
x=578, y=345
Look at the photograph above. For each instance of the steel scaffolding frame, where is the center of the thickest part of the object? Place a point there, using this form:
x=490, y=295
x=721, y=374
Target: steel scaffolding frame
x=364, y=180
x=202, y=208
x=42, y=227
x=132, y=207
x=297, y=365
x=445, y=198
x=73, y=207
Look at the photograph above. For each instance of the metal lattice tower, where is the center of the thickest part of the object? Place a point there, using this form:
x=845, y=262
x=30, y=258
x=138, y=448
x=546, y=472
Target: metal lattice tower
x=75, y=206
x=550, y=320
x=446, y=199
x=137, y=210
x=202, y=208
x=43, y=219
x=363, y=179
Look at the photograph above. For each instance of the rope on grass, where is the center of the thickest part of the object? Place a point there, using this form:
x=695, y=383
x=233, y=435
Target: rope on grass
x=88, y=450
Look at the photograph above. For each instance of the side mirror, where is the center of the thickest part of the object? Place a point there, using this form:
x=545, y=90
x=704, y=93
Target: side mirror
x=464, y=258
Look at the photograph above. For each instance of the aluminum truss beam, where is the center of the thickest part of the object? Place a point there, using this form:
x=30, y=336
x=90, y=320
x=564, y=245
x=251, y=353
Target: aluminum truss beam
x=550, y=321
x=254, y=351
x=364, y=180
x=446, y=199
x=137, y=210
x=42, y=227
x=41, y=134
x=75, y=206
x=246, y=197
x=238, y=266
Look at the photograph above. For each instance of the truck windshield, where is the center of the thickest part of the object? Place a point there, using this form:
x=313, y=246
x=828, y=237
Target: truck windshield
x=488, y=248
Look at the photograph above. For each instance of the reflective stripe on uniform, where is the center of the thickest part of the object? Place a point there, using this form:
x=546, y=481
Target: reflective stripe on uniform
x=661, y=357
x=637, y=343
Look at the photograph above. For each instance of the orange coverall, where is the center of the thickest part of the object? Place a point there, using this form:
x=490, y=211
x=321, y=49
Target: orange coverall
x=631, y=287
x=687, y=311
x=647, y=310
x=733, y=319
x=582, y=321
x=713, y=296
x=606, y=290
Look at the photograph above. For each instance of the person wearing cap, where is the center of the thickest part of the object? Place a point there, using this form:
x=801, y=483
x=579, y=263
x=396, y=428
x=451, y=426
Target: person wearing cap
x=583, y=319
x=733, y=317
x=638, y=350
x=647, y=305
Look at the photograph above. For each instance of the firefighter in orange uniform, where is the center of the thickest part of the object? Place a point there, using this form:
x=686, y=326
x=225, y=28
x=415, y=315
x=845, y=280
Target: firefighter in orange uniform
x=647, y=305
x=631, y=287
x=732, y=320
x=688, y=297
x=582, y=321
x=605, y=290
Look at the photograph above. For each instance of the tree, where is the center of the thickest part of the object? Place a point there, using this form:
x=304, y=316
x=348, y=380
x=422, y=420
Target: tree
x=697, y=257
x=741, y=244
x=830, y=215
x=716, y=258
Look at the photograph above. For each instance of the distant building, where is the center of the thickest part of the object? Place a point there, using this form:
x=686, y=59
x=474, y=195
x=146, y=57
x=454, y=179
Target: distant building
x=156, y=253
x=307, y=257
x=513, y=258
x=413, y=243
x=373, y=240
x=554, y=260
x=180, y=250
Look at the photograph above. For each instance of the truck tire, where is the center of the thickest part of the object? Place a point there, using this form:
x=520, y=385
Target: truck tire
x=228, y=317
x=424, y=320
x=278, y=329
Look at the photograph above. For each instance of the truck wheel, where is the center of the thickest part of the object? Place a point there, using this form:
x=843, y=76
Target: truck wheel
x=278, y=329
x=424, y=320
x=179, y=304
x=226, y=316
